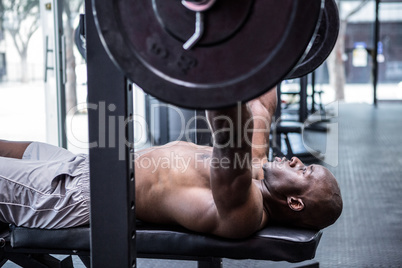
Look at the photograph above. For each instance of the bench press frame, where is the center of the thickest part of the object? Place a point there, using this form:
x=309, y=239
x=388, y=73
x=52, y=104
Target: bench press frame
x=30, y=247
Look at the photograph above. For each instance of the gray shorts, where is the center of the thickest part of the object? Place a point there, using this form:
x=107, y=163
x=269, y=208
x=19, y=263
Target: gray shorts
x=47, y=188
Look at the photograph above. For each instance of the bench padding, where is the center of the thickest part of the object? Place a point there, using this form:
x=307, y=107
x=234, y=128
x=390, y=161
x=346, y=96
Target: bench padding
x=272, y=243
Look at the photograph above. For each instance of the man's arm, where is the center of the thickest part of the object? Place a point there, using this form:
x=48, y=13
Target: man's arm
x=263, y=109
x=237, y=199
x=13, y=149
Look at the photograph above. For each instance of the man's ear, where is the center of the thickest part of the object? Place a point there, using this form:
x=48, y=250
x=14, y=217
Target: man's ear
x=295, y=204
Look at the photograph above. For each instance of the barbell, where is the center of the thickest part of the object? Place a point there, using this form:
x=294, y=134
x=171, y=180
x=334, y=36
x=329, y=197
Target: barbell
x=208, y=54
x=324, y=42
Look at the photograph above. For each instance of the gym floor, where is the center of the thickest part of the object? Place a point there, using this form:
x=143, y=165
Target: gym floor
x=369, y=231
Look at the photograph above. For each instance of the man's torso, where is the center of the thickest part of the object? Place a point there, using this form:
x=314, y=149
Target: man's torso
x=161, y=172
x=179, y=172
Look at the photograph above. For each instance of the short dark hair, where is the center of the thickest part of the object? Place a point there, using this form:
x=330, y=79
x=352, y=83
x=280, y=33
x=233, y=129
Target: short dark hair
x=321, y=214
x=319, y=211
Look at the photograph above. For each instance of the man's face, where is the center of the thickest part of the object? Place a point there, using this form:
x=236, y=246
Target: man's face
x=292, y=177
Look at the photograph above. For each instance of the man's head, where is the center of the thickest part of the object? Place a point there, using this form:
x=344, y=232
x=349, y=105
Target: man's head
x=299, y=195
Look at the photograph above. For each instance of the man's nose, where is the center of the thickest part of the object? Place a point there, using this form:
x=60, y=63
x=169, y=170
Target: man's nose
x=294, y=161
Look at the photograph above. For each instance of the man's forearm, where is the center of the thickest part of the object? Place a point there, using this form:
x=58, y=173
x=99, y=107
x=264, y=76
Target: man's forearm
x=13, y=149
x=263, y=109
x=231, y=127
x=231, y=174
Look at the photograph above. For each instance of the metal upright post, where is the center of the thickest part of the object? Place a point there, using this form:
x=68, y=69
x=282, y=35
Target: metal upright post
x=163, y=124
x=112, y=174
x=375, y=52
x=313, y=92
x=277, y=137
x=61, y=72
x=303, y=113
x=278, y=112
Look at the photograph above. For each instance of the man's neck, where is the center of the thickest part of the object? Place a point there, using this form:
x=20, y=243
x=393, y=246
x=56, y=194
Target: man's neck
x=265, y=201
x=258, y=172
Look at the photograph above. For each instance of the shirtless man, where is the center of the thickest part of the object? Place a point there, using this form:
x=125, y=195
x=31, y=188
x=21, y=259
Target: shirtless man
x=230, y=190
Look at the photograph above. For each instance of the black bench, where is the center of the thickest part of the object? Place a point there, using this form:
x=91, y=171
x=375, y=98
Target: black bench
x=31, y=247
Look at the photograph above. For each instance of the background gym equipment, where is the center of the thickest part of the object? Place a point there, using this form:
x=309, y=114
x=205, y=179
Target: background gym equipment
x=244, y=48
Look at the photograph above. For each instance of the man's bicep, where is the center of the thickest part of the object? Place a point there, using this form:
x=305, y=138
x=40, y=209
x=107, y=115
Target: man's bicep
x=243, y=220
x=230, y=186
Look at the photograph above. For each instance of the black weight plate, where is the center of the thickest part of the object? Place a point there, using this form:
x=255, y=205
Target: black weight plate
x=262, y=46
x=323, y=44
